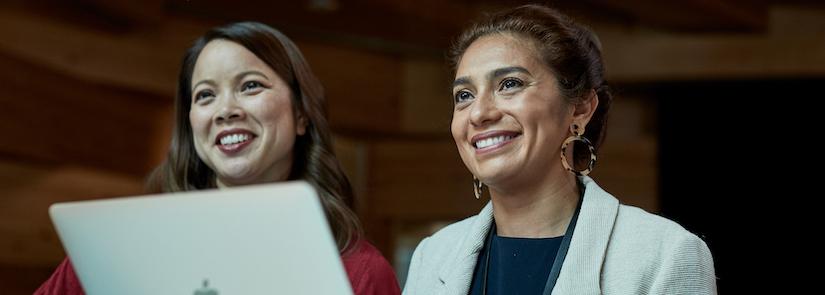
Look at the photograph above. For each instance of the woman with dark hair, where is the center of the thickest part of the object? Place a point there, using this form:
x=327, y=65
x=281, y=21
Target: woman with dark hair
x=529, y=94
x=249, y=110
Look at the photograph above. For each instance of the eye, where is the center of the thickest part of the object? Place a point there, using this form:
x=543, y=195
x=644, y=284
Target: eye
x=462, y=96
x=510, y=83
x=203, y=94
x=251, y=85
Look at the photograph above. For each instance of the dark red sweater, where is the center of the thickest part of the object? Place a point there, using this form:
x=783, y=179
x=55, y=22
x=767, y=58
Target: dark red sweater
x=369, y=274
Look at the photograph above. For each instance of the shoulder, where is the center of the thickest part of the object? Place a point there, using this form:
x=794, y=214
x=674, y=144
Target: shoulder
x=648, y=224
x=368, y=270
x=435, y=253
x=63, y=281
x=659, y=252
x=641, y=227
x=452, y=233
x=446, y=241
x=634, y=231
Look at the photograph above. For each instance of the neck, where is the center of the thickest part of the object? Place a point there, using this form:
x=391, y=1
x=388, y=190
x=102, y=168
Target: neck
x=540, y=210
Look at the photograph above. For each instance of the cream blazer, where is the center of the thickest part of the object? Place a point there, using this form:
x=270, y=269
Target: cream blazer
x=615, y=249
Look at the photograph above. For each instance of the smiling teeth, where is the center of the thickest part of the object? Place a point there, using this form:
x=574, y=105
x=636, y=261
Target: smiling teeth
x=492, y=141
x=234, y=138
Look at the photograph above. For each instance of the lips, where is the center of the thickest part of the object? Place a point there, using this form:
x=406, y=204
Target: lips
x=234, y=140
x=492, y=140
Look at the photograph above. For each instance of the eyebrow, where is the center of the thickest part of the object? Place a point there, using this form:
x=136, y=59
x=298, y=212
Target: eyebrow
x=497, y=73
x=252, y=72
x=211, y=82
x=504, y=71
x=461, y=81
x=237, y=77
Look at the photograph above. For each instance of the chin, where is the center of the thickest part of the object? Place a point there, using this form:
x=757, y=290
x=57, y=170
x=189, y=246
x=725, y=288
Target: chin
x=493, y=167
x=236, y=177
x=499, y=174
x=237, y=181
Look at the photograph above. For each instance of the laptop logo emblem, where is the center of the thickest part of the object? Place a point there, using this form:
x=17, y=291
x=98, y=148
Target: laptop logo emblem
x=205, y=290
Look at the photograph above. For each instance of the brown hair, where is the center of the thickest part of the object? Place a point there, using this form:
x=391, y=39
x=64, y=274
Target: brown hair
x=314, y=159
x=571, y=51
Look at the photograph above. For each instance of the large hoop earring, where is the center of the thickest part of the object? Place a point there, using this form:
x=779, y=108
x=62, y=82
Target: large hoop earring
x=478, y=187
x=577, y=136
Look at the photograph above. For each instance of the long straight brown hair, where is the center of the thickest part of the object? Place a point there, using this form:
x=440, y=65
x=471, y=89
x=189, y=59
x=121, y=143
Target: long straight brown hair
x=314, y=159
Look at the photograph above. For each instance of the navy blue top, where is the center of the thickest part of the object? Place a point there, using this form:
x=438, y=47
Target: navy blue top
x=517, y=265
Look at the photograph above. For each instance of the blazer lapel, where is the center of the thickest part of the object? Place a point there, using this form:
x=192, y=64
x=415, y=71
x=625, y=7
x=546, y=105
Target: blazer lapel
x=457, y=279
x=581, y=270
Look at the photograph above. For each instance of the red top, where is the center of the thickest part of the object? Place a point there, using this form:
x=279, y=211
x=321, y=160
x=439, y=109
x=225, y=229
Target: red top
x=369, y=274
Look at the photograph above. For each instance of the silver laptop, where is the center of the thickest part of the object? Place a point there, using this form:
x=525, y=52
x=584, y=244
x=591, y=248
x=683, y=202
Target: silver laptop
x=263, y=239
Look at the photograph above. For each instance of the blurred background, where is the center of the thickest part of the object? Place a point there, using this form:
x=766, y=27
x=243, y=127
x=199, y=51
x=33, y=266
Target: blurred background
x=87, y=86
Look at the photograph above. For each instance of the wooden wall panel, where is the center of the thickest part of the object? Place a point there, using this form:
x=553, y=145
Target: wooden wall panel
x=352, y=154
x=27, y=192
x=361, y=87
x=629, y=171
x=135, y=61
x=29, y=246
x=627, y=163
x=60, y=119
x=413, y=181
x=419, y=180
x=783, y=51
x=426, y=100
x=699, y=15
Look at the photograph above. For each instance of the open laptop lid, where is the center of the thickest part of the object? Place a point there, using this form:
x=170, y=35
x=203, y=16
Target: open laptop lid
x=262, y=239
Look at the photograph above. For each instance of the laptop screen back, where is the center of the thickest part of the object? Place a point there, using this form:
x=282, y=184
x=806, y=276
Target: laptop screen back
x=263, y=239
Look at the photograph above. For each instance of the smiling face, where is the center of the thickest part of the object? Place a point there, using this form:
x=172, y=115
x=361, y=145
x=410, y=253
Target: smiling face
x=510, y=118
x=242, y=118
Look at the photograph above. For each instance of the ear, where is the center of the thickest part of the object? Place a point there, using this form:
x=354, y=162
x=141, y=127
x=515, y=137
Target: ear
x=583, y=111
x=300, y=124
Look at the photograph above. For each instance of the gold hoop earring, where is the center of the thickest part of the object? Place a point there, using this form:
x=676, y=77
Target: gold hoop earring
x=478, y=187
x=577, y=136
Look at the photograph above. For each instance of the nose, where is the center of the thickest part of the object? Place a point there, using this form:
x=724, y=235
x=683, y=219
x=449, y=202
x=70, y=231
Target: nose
x=229, y=110
x=484, y=111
